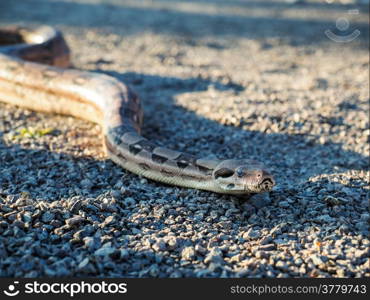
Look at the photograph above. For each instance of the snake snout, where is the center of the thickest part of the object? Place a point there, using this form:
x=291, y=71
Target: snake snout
x=267, y=182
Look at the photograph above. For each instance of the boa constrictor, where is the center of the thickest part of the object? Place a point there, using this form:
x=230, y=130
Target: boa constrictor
x=35, y=74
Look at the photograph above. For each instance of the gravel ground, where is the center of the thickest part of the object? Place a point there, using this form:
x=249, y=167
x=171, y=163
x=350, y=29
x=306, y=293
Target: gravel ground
x=246, y=79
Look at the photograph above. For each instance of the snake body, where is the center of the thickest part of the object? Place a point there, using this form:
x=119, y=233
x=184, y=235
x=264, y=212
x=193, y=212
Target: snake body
x=35, y=73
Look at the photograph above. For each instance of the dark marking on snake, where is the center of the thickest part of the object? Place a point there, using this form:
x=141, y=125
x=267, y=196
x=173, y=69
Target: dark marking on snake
x=224, y=173
x=166, y=173
x=144, y=166
x=135, y=149
x=204, y=170
x=182, y=164
x=190, y=177
x=117, y=139
x=146, y=145
x=158, y=158
x=119, y=154
x=184, y=160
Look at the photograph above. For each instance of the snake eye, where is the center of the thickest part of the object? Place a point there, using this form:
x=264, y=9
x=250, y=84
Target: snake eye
x=240, y=172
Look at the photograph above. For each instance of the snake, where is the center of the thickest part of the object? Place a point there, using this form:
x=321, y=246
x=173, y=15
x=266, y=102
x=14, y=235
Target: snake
x=36, y=73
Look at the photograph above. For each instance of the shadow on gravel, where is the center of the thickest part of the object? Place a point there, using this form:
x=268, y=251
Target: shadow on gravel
x=124, y=19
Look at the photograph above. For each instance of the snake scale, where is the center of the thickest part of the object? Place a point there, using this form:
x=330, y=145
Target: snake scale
x=35, y=73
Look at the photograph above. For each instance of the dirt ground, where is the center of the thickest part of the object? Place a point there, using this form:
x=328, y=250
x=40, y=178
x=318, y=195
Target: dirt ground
x=234, y=79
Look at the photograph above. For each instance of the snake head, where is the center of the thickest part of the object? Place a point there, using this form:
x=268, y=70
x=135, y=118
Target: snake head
x=241, y=176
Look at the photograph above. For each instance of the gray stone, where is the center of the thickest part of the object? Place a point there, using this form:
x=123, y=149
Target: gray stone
x=260, y=200
x=74, y=221
x=267, y=247
x=251, y=234
x=104, y=251
x=214, y=256
x=317, y=259
x=160, y=245
x=47, y=217
x=188, y=253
